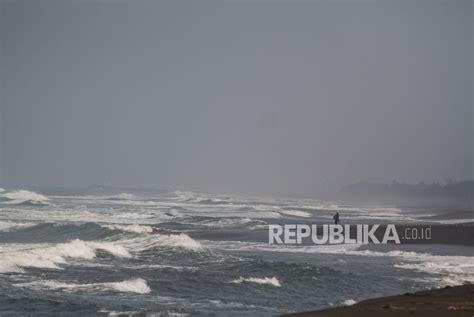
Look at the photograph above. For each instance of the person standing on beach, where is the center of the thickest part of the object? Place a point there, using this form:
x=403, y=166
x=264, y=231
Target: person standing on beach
x=336, y=218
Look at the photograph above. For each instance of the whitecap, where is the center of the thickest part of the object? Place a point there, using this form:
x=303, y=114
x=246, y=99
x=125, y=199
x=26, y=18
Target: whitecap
x=150, y=241
x=296, y=213
x=130, y=228
x=11, y=225
x=443, y=269
x=137, y=285
x=15, y=257
x=123, y=196
x=272, y=281
x=23, y=195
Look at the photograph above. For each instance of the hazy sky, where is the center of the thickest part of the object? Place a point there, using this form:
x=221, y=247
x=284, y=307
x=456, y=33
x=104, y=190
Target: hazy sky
x=294, y=98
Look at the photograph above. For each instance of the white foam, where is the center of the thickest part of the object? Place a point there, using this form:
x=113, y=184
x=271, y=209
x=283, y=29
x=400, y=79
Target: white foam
x=132, y=313
x=443, y=269
x=273, y=281
x=230, y=222
x=24, y=195
x=296, y=213
x=10, y=225
x=98, y=215
x=131, y=228
x=150, y=241
x=138, y=286
x=349, y=302
x=125, y=196
x=134, y=215
x=115, y=313
x=256, y=246
x=184, y=195
x=15, y=257
x=163, y=266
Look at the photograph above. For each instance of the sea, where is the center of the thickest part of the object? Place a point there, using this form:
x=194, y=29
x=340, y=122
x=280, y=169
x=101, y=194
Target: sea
x=104, y=251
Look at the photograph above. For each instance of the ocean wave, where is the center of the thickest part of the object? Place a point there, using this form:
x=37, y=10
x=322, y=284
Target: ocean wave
x=325, y=210
x=130, y=228
x=140, y=313
x=123, y=196
x=185, y=196
x=443, y=269
x=145, y=242
x=134, y=215
x=296, y=213
x=228, y=222
x=163, y=266
x=273, y=281
x=16, y=257
x=123, y=313
x=23, y=197
x=137, y=285
x=258, y=246
x=11, y=226
x=64, y=214
x=128, y=237
x=23, y=194
x=48, y=232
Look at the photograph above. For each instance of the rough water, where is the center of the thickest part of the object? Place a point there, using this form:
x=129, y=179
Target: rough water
x=103, y=252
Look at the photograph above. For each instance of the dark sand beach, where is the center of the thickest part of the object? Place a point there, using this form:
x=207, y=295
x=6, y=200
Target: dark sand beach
x=447, y=301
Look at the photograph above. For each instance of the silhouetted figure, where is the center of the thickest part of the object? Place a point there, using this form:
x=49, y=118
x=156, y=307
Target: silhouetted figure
x=336, y=218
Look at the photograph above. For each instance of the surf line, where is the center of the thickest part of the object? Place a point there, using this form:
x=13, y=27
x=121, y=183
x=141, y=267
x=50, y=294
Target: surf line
x=332, y=234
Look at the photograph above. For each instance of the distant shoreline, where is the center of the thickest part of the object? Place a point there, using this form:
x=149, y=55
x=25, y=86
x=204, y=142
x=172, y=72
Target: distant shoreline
x=455, y=301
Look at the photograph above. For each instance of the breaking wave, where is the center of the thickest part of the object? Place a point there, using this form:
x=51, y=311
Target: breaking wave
x=443, y=269
x=130, y=228
x=123, y=196
x=272, y=281
x=229, y=222
x=184, y=196
x=10, y=225
x=135, y=238
x=23, y=197
x=145, y=242
x=258, y=246
x=16, y=257
x=137, y=285
x=296, y=213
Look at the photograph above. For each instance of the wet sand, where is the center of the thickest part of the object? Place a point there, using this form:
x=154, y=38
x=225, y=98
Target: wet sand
x=453, y=234
x=449, y=301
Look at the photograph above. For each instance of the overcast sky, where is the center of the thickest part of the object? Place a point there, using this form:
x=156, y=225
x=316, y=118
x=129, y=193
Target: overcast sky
x=289, y=98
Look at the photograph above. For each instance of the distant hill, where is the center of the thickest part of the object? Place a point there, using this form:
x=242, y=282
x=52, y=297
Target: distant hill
x=456, y=191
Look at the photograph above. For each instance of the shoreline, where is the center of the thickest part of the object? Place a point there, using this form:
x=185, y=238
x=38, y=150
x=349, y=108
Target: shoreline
x=449, y=234
x=448, y=301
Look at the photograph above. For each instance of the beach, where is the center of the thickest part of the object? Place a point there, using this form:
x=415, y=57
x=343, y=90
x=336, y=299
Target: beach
x=448, y=301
